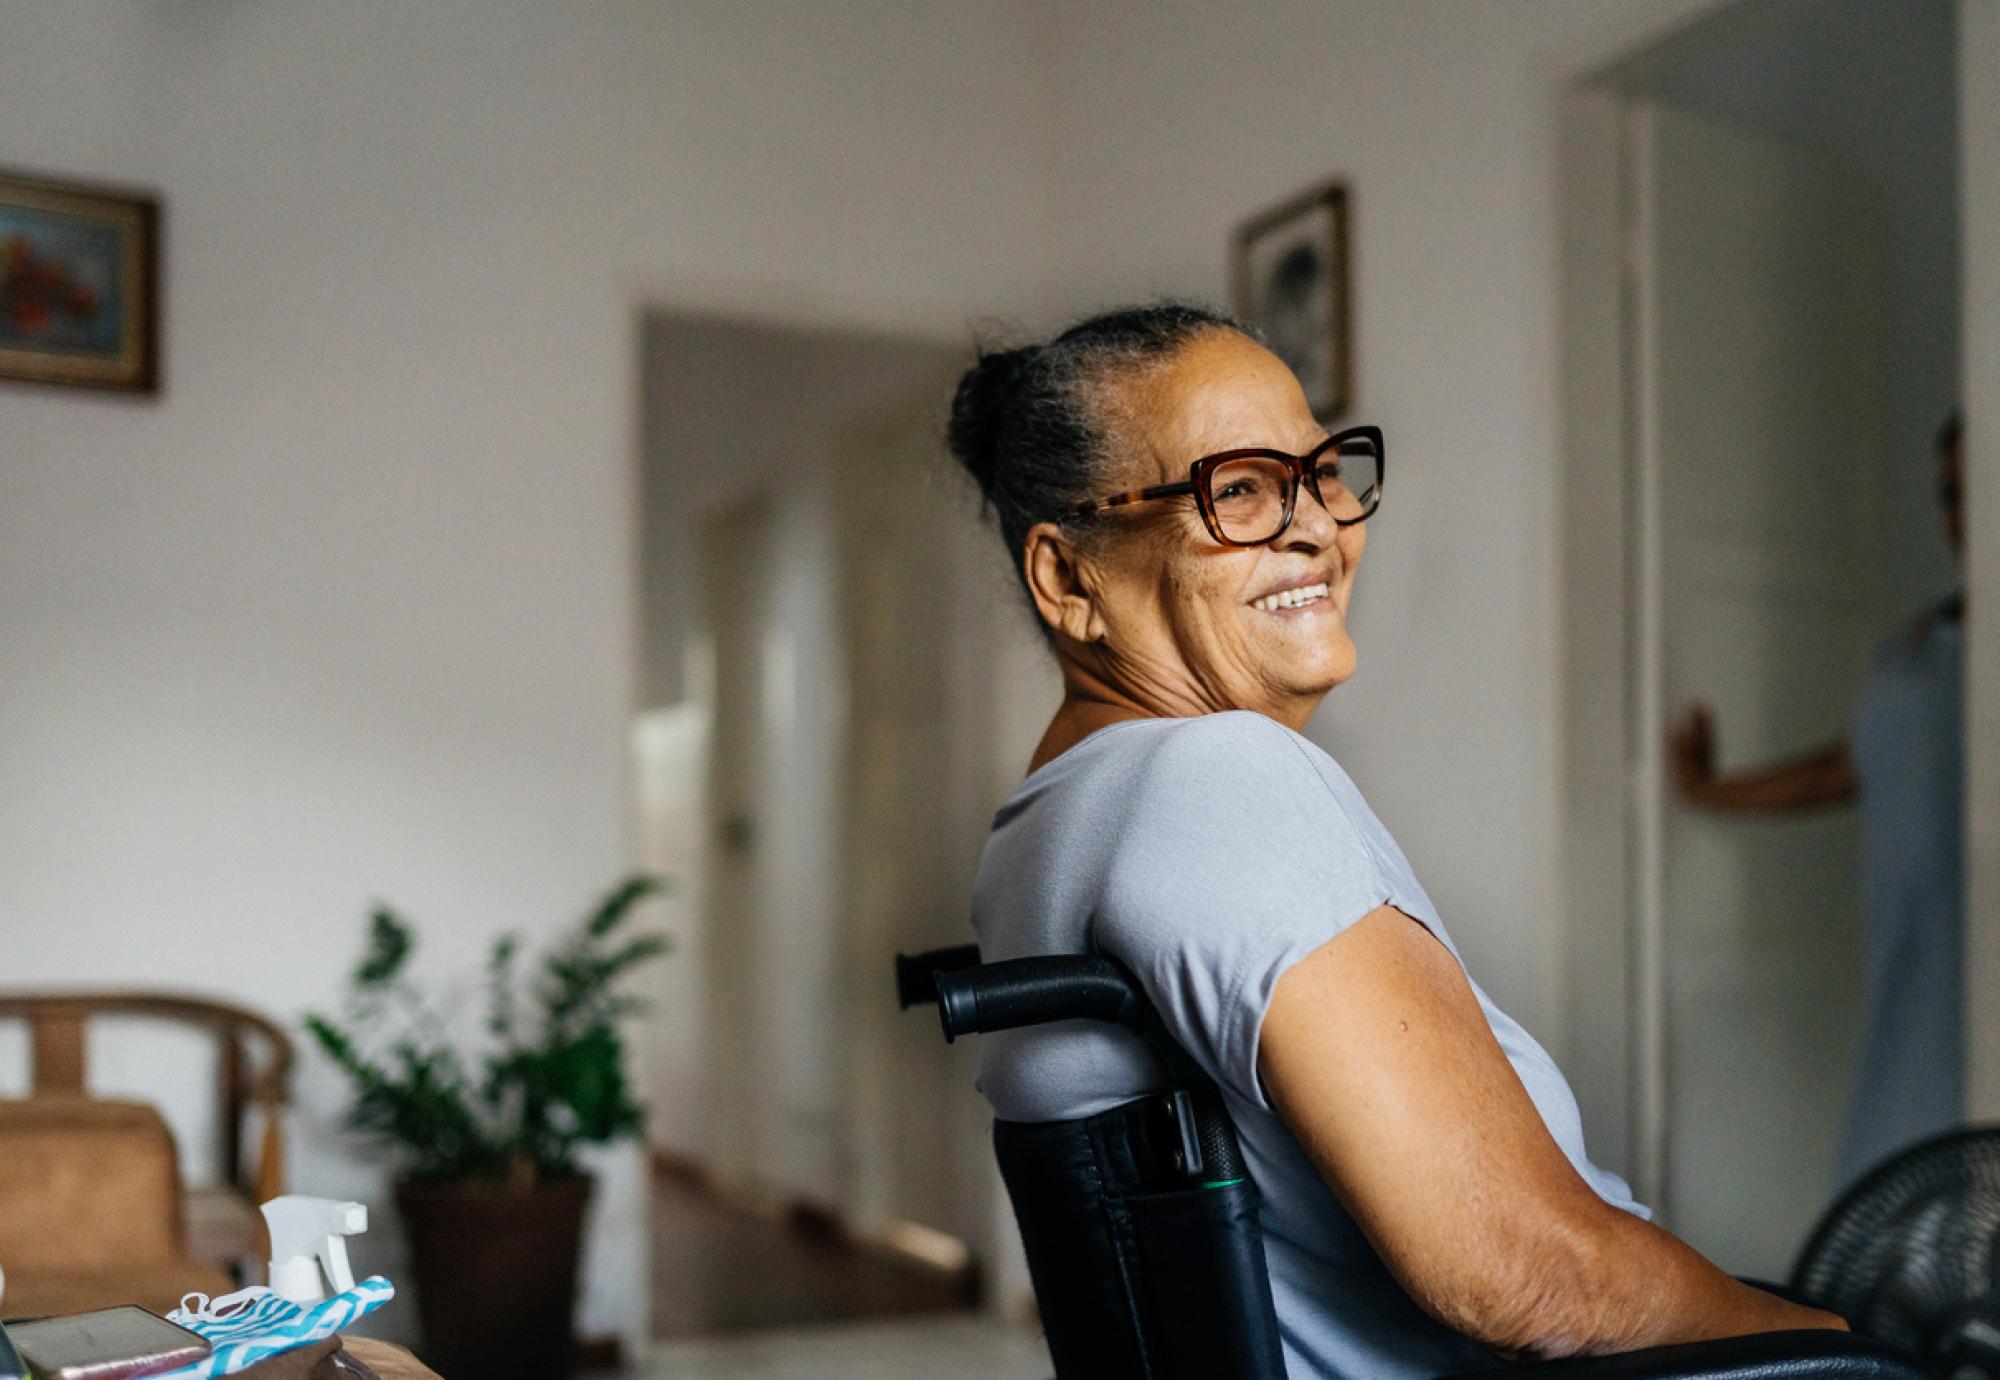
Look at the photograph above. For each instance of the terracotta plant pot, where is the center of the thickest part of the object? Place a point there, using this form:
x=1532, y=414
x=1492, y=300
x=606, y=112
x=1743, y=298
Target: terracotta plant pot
x=495, y=1270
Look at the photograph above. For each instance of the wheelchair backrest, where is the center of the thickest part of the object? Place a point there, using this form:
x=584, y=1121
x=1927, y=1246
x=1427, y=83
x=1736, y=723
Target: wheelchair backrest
x=1140, y=1223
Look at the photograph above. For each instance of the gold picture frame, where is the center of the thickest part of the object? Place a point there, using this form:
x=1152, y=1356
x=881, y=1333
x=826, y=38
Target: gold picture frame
x=79, y=284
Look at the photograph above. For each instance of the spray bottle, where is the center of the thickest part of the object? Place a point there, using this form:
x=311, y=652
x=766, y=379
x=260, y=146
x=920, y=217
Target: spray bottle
x=308, y=1236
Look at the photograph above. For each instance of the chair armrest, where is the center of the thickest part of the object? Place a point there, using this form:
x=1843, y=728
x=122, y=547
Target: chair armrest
x=1811, y=1355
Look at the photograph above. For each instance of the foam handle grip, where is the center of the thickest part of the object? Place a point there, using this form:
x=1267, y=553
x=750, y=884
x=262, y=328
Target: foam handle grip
x=1032, y=991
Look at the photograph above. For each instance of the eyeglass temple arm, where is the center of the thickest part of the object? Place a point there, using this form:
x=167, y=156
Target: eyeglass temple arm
x=1185, y=486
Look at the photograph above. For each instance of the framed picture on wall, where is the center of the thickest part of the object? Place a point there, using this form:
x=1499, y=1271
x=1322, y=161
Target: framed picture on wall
x=1291, y=283
x=79, y=284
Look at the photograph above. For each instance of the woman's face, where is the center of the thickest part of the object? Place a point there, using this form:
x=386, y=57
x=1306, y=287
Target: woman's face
x=1188, y=624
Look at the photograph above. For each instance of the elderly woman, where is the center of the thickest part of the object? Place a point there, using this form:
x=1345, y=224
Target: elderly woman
x=1189, y=536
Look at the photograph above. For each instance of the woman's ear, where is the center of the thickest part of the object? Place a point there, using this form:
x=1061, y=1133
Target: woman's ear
x=1062, y=584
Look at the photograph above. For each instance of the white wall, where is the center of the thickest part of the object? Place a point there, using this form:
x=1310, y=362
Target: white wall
x=348, y=611
x=1179, y=119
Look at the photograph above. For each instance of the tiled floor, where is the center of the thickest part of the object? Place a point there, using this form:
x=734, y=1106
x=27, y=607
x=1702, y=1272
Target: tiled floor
x=945, y=1348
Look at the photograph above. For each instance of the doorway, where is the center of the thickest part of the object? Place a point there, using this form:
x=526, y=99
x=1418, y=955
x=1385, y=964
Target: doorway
x=834, y=677
x=1762, y=325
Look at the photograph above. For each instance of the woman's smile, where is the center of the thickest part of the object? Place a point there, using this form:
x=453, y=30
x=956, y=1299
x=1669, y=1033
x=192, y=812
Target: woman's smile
x=1309, y=593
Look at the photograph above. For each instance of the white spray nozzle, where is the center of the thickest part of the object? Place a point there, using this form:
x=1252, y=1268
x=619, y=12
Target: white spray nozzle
x=308, y=1235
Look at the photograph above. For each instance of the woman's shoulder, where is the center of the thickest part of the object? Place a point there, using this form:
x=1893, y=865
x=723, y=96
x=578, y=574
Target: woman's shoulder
x=1234, y=735
x=1237, y=726
x=1239, y=745
x=1205, y=751
x=1228, y=772
x=1236, y=768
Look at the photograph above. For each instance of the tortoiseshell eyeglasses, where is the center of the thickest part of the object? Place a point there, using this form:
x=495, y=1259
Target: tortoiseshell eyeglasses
x=1247, y=497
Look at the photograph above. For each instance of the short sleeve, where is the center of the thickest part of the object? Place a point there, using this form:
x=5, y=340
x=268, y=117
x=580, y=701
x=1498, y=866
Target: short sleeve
x=1236, y=859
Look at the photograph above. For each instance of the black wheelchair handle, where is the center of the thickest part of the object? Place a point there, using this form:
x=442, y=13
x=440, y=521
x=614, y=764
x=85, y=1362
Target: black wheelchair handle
x=916, y=973
x=1030, y=991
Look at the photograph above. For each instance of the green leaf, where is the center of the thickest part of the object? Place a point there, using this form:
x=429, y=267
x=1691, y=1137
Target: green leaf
x=389, y=945
x=500, y=986
x=616, y=906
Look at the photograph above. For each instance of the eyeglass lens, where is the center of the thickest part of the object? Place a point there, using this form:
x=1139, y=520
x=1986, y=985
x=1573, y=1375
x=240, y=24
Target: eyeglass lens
x=1248, y=496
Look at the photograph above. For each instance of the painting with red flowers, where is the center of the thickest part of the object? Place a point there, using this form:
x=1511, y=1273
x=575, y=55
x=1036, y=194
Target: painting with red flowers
x=79, y=285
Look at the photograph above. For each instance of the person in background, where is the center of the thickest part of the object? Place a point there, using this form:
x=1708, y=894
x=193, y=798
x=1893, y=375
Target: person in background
x=1904, y=766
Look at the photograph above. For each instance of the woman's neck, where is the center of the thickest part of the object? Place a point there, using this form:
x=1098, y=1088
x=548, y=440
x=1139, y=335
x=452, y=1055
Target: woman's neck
x=1095, y=697
x=1089, y=705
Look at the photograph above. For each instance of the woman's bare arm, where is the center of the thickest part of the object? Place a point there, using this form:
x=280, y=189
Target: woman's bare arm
x=1377, y=1056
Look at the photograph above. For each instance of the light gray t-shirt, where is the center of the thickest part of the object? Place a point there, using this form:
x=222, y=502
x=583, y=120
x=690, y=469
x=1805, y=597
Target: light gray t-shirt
x=1209, y=855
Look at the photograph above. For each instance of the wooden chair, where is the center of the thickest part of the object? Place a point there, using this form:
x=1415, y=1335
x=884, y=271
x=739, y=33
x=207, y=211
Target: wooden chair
x=253, y=1078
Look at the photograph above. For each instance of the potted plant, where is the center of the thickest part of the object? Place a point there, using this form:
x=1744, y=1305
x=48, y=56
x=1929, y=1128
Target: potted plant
x=492, y=1193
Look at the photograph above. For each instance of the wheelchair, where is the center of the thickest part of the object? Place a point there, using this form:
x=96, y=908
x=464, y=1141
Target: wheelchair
x=1141, y=1223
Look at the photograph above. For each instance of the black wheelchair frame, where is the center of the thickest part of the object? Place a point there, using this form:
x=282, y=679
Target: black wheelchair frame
x=1141, y=1223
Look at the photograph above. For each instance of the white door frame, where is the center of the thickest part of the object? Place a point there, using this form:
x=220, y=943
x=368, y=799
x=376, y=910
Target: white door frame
x=1612, y=717
x=1601, y=976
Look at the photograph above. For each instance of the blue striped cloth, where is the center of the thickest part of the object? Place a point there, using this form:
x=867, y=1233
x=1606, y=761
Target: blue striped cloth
x=252, y=1324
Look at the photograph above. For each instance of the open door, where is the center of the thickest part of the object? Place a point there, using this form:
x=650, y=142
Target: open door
x=1761, y=408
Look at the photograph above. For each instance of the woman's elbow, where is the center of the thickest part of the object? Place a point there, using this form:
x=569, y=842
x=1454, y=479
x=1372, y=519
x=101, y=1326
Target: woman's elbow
x=1549, y=1293
x=1597, y=1280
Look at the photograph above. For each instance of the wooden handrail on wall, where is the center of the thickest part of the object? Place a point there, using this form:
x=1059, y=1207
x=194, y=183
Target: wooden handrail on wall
x=56, y=1031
